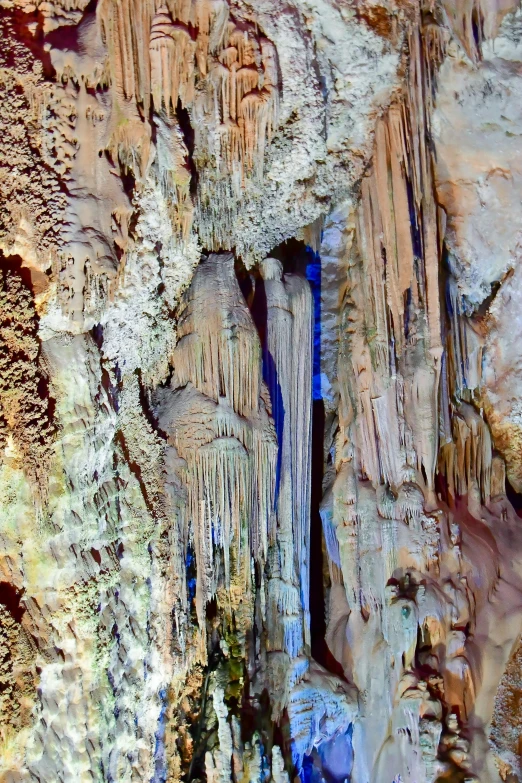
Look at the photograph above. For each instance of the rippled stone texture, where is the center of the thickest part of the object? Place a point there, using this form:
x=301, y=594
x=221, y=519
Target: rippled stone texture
x=259, y=391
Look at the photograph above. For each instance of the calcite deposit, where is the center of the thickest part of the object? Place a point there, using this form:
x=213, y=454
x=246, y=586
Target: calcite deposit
x=260, y=391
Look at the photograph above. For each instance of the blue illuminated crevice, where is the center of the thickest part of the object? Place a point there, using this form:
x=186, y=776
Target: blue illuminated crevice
x=160, y=761
x=313, y=275
x=331, y=762
x=278, y=411
x=191, y=573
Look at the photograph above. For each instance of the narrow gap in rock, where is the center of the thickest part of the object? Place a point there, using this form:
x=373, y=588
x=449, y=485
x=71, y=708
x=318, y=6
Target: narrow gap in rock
x=514, y=497
x=477, y=26
x=147, y=408
x=317, y=594
x=10, y=598
x=14, y=264
x=188, y=137
x=129, y=183
x=247, y=280
x=309, y=263
x=191, y=577
x=106, y=383
x=484, y=306
x=253, y=288
x=294, y=255
x=204, y=729
x=319, y=577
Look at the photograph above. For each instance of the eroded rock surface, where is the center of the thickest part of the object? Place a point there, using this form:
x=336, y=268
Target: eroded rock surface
x=260, y=418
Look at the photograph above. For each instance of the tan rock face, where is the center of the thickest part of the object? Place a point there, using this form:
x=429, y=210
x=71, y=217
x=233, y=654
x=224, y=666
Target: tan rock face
x=479, y=187
x=259, y=391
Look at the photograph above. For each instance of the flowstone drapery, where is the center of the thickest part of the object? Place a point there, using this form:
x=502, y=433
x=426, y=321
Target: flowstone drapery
x=260, y=391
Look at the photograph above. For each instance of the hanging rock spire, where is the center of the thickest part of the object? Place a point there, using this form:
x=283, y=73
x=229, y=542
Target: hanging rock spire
x=288, y=363
x=215, y=418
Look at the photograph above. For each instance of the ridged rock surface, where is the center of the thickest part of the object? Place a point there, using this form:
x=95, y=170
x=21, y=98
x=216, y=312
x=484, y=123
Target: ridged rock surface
x=260, y=391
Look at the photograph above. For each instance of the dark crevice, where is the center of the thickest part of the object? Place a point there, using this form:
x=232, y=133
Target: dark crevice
x=514, y=497
x=196, y=770
x=96, y=555
x=319, y=576
x=484, y=306
x=188, y=136
x=128, y=182
x=18, y=22
x=10, y=597
x=147, y=408
x=477, y=25
x=247, y=282
x=191, y=579
x=294, y=255
x=97, y=335
x=110, y=389
x=255, y=292
x=317, y=593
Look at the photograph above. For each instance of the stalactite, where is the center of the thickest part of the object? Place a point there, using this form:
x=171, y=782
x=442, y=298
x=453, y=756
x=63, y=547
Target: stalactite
x=401, y=283
x=200, y=589
x=289, y=373
x=230, y=59
x=474, y=21
x=217, y=421
x=219, y=351
x=319, y=707
x=466, y=462
x=390, y=365
x=172, y=53
x=174, y=176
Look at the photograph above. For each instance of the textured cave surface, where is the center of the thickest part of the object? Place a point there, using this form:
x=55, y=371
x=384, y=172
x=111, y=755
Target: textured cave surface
x=260, y=391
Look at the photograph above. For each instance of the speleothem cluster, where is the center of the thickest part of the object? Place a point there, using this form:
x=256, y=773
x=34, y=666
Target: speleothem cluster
x=260, y=391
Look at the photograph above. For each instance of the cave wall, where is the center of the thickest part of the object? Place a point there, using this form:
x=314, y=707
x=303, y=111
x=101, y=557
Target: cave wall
x=259, y=391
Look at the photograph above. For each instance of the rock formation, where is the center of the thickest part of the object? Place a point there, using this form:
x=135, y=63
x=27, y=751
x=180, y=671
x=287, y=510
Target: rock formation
x=260, y=417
